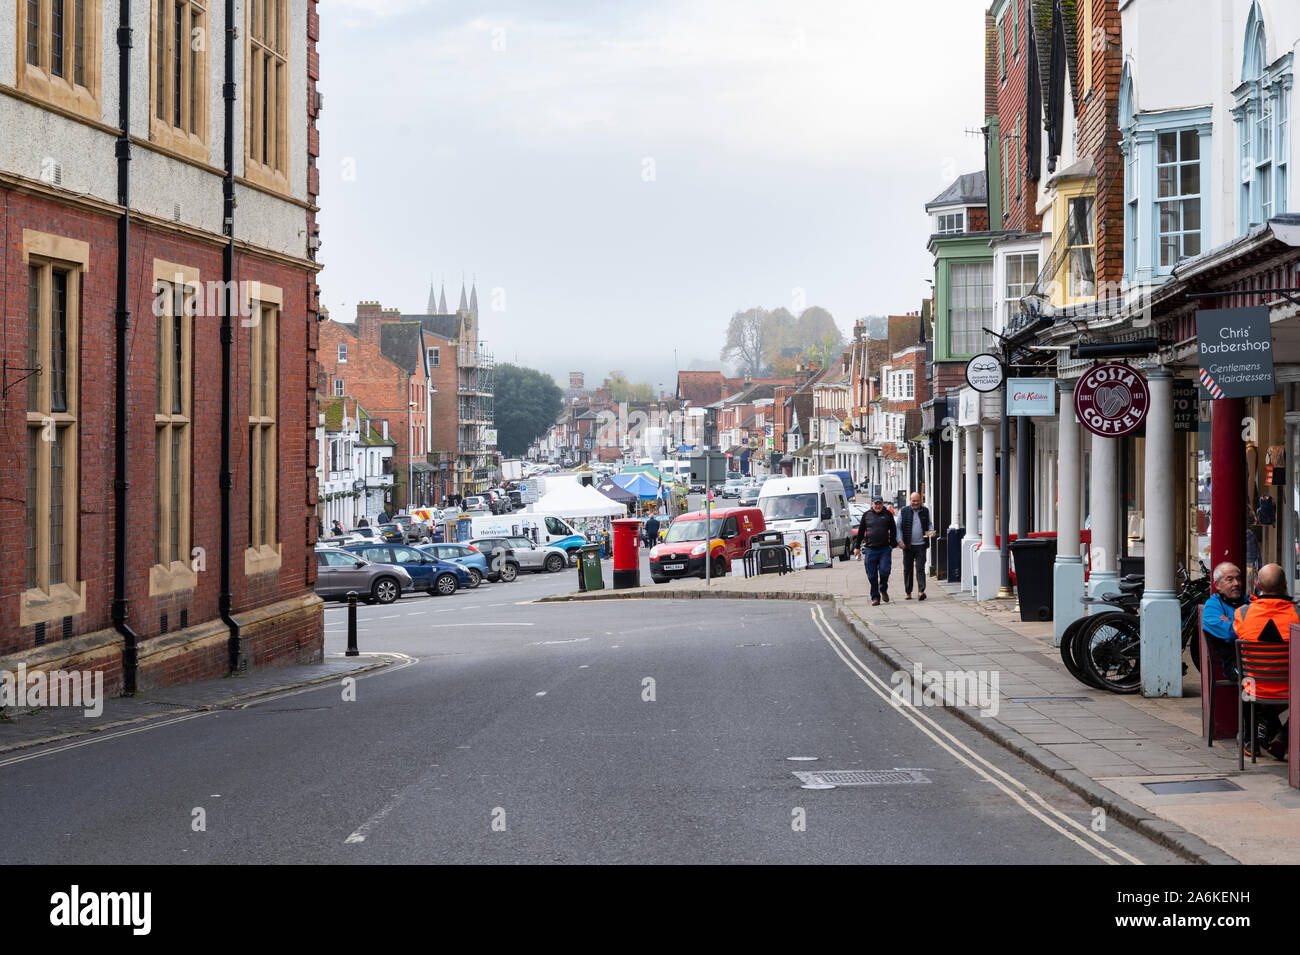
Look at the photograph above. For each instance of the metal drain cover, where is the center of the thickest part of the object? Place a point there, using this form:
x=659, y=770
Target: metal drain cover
x=1193, y=786
x=861, y=777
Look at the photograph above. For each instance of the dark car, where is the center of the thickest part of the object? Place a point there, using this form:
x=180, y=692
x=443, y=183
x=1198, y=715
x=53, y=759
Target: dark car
x=502, y=562
x=516, y=499
x=414, y=530
x=390, y=533
x=427, y=573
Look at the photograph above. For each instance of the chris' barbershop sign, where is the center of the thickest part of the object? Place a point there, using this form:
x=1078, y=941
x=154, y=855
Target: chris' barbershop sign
x=1112, y=400
x=1031, y=396
x=1235, y=347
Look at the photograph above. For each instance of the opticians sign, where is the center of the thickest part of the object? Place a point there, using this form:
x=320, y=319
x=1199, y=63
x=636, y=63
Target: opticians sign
x=1031, y=396
x=984, y=372
x=1112, y=400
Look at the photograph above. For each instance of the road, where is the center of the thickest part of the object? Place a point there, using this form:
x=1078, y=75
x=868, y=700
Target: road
x=619, y=731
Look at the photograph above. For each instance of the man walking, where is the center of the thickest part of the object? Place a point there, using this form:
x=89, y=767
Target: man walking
x=914, y=523
x=880, y=536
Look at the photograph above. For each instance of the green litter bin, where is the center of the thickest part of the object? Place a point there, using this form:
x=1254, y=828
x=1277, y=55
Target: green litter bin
x=590, y=576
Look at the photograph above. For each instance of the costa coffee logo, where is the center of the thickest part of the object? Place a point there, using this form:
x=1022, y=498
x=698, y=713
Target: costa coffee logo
x=1112, y=400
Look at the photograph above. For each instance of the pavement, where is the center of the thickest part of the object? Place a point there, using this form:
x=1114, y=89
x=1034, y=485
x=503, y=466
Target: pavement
x=22, y=728
x=1107, y=747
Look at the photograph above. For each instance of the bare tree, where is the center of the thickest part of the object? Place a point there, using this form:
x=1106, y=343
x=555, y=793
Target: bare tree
x=746, y=340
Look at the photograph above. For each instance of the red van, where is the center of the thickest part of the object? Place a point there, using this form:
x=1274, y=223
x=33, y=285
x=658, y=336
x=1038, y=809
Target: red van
x=682, y=552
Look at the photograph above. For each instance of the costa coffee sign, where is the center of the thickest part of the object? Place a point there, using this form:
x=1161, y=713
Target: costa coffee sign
x=1112, y=400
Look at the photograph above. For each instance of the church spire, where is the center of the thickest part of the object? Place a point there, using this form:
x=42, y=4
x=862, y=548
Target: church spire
x=473, y=300
x=433, y=301
x=442, y=298
x=464, y=306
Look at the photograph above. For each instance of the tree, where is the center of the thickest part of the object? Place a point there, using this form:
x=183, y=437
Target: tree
x=527, y=402
x=745, y=340
x=815, y=326
x=620, y=389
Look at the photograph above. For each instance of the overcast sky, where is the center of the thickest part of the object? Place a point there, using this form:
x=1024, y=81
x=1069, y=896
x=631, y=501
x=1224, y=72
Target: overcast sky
x=620, y=177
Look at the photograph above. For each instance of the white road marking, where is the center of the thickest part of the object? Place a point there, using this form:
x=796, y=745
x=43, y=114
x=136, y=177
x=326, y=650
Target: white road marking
x=978, y=764
x=441, y=626
x=543, y=693
x=415, y=613
x=391, y=616
x=551, y=643
x=364, y=829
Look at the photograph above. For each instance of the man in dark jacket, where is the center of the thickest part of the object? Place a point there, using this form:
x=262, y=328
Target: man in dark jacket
x=652, y=531
x=914, y=528
x=880, y=535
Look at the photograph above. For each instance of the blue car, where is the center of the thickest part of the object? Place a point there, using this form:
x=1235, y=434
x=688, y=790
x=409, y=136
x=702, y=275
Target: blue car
x=428, y=573
x=472, y=560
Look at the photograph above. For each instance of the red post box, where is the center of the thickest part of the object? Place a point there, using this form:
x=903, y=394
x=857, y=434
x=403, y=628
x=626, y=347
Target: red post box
x=627, y=565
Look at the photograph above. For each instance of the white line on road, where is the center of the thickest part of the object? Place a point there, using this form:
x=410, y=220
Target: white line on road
x=98, y=738
x=364, y=829
x=416, y=613
x=391, y=616
x=978, y=764
x=443, y=626
x=550, y=643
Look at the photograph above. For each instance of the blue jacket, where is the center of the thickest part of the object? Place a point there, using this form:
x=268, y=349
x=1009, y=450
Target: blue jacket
x=1216, y=619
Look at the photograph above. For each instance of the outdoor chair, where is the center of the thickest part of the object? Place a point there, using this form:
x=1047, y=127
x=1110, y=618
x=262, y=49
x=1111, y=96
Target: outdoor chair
x=1215, y=676
x=1264, y=668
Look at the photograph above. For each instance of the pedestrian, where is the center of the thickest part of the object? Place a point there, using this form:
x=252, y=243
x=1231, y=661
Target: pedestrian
x=915, y=532
x=877, y=532
x=336, y=529
x=383, y=515
x=651, y=530
x=363, y=522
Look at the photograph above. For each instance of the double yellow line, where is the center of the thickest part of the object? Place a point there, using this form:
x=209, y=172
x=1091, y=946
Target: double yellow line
x=1026, y=798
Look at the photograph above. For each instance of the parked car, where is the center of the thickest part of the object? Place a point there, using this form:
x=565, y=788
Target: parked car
x=338, y=572
x=501, y=559
x=732, y=487
x=463, y=554
x=538, y=557
x=516, y=500
x=390, y=533
x=415, y=530
x=426, y=572
x=475, y=503
x=682, y=554
x=367, y=533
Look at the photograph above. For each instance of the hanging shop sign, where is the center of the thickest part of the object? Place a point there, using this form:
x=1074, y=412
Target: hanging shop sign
x=1112, y=400
x=984, y=372
x=1235, y=348
x=1031, y=396
x=968, y=409
x=1187, y=405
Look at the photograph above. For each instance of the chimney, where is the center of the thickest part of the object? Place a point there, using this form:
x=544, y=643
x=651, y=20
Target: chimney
x=369, y=317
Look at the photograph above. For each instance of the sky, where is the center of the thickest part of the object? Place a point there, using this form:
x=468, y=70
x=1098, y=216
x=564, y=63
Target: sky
x=620, y=177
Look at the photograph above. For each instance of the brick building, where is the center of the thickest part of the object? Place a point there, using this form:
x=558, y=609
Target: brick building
x=162, y=362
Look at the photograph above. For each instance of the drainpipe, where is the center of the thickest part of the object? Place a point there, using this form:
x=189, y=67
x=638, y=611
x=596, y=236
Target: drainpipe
x=121, y=484
x=224, y=598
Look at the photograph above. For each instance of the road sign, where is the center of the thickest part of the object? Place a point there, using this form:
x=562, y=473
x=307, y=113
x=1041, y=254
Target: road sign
x=528, y=492
x=709, y=469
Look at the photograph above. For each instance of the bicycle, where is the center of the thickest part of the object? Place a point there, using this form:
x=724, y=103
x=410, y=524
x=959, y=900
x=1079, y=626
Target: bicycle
x=1104, y=649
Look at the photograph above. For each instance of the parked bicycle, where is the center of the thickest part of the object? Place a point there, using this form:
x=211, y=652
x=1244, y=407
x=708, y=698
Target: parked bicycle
x=1103, y=649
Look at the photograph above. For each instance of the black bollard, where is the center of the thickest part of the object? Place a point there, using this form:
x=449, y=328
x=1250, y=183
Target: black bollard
x=352, y=625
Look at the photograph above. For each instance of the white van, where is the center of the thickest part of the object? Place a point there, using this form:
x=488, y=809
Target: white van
x=813, y=503
x=550, y=529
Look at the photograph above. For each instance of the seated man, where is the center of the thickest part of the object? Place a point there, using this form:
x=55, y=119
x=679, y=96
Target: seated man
x=1216, y=618
x=1268, y=619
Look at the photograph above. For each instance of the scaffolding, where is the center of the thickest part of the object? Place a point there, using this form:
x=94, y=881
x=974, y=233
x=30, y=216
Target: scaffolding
x=475, y=370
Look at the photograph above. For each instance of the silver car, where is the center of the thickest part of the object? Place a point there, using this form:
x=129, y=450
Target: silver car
x=538, y=557
x=338, y=572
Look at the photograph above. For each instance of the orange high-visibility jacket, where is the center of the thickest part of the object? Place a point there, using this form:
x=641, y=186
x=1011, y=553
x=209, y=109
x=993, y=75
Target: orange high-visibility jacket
x=1266, y=620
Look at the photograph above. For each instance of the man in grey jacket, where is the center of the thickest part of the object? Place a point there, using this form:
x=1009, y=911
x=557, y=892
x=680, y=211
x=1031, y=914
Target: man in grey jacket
x=913, y=532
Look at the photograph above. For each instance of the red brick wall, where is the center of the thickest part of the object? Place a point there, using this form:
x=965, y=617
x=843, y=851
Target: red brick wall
x=1018, y=209
x=296, y=489
x=1097, y=132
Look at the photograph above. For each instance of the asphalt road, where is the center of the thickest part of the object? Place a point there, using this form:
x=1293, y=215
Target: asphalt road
x=621, y=731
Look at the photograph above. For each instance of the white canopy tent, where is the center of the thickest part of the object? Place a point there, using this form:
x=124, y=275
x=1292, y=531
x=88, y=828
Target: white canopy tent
x=571, y=499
